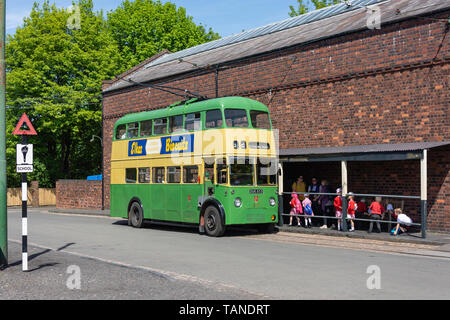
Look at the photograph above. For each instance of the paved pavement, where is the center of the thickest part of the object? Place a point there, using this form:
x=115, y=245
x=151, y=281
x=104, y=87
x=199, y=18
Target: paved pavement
x=278, y=266
x=50, y=274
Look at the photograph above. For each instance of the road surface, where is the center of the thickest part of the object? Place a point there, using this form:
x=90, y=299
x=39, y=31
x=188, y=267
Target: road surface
x=277, y=266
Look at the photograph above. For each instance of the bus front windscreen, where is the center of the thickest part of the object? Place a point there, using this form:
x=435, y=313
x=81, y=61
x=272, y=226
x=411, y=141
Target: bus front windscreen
x=241, y=172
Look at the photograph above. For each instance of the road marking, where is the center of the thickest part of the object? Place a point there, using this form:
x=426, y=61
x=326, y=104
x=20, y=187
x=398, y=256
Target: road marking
x=169, y=275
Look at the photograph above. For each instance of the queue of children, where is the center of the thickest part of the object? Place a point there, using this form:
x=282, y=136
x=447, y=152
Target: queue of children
x=306, y=207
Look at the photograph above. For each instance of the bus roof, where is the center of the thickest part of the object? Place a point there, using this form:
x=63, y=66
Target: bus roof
x=190, y=107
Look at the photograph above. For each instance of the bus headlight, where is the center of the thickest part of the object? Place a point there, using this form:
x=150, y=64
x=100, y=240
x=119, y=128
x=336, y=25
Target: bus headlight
x=238, y=202
x=272, y=202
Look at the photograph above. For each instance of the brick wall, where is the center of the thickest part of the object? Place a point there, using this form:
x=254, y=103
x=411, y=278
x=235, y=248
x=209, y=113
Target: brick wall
x=368, y=87
x=79, y=194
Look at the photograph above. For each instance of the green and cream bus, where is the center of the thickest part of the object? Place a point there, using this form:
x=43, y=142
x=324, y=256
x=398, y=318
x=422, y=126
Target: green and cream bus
x=210, y=163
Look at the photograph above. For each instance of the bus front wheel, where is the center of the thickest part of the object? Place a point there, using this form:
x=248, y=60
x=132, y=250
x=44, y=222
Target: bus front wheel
x=136, y=215
x=214, y=226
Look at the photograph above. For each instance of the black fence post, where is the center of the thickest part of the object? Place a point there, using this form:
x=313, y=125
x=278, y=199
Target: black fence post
x=344, y=213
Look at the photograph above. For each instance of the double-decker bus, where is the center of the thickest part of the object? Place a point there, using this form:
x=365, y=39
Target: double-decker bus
x=210, y=163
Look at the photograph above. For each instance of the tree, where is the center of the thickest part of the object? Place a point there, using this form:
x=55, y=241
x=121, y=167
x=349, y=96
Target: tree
x=54, y=74
x=315, y=4
x=142, y=28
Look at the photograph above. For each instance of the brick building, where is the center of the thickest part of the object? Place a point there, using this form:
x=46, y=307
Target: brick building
x=337, y=91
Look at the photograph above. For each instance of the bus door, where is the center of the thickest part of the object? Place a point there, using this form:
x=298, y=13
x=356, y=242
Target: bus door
x=208, y=178
x=221, y=186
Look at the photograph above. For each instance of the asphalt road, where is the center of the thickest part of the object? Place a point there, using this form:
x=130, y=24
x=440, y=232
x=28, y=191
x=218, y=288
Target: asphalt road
x=241, y=264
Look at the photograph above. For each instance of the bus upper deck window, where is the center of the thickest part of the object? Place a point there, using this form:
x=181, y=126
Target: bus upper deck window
x=146, y=128
x=236, y=118
x=176, y=124
x=160, y=126
x=133, y=130
x=193, y=122
x=121, y=132
x=213, y=119
x=260, y=119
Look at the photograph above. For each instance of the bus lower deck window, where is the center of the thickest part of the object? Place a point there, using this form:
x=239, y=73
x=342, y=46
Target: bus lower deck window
x=131, y=175
x=144, y=175
x=190, y=174
x=158, y=175
x=174, y=174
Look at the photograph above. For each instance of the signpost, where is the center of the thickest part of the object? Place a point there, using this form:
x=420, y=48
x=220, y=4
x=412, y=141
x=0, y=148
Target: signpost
x=24, y=166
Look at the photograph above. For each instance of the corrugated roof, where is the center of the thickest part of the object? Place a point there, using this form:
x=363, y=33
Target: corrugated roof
x=402, y=147
x=316, y=25
x=267, y=29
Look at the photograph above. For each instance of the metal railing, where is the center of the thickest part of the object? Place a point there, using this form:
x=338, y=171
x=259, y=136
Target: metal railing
x=344, y=217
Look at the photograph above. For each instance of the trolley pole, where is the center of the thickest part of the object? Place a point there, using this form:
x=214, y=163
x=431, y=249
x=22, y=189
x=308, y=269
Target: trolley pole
x=3, y=180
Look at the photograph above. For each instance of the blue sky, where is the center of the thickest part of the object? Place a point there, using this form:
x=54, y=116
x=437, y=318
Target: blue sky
x=225, y=17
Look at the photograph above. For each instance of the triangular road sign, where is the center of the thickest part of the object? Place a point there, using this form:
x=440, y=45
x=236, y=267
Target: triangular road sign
x=30, y=132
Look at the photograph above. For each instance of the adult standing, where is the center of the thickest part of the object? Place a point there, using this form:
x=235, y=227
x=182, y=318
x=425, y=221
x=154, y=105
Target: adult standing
x=315, y=188
x=299, y=186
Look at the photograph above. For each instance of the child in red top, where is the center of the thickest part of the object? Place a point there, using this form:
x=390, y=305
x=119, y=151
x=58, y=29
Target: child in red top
x=297, y=208
x=338, y=207
x=351, y=210
x=376, y=210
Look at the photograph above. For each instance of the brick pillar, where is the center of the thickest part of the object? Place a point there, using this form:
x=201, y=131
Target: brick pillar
x=34, y=190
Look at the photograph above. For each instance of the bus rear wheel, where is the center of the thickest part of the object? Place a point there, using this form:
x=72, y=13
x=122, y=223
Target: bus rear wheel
x=136, y=216
x=214, y=224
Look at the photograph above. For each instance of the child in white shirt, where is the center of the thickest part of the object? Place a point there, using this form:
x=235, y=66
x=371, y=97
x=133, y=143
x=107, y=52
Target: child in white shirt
x=403, y=222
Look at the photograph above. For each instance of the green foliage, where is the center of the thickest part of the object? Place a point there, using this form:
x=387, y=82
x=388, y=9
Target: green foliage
x=55, y=76
x=310, y=4
x=55, y=73
x=143, y=28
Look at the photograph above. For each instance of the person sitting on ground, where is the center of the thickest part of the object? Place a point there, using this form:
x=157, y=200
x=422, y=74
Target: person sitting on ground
x=403, y=222
x=307, y=205
x=376, y=211
x=338, y=207
x=351, y=210
x=296, y=209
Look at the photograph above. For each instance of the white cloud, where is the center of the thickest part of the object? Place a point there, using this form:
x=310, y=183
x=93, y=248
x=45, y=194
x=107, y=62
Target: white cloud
x=14, y=20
